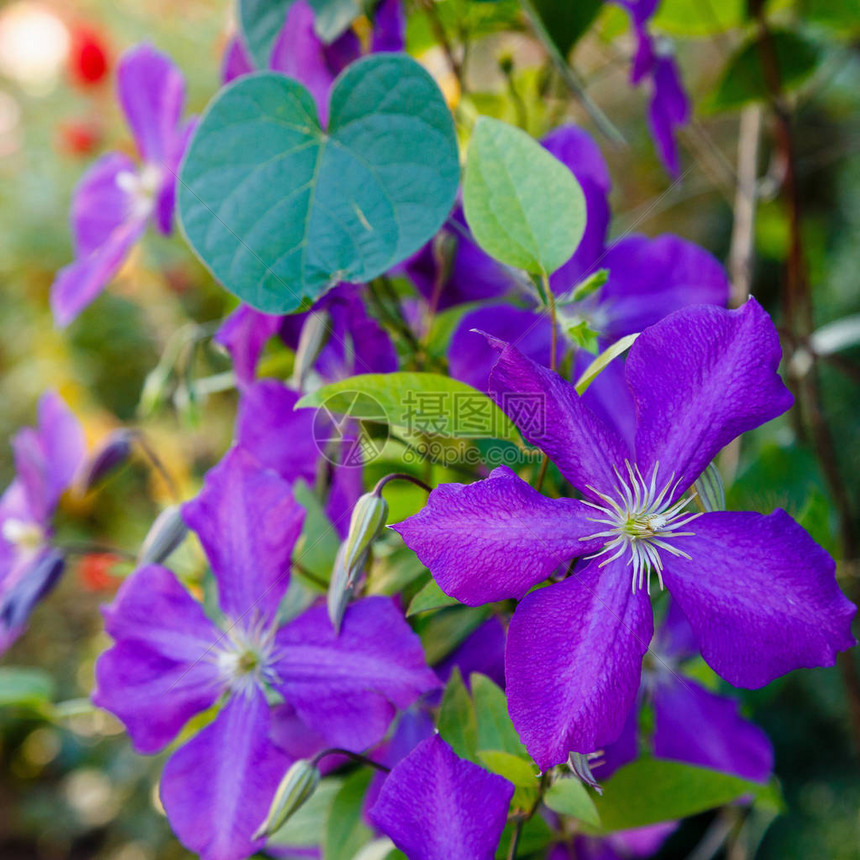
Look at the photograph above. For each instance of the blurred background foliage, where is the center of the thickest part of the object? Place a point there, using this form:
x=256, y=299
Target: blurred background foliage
x=70, y=785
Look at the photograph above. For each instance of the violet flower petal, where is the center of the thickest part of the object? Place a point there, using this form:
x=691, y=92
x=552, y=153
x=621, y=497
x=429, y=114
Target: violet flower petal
x=651, y=278
x=436, y=806
x=349, y=685
x=609, y=396
x=217, y=788
x=162, y=669
x=165, y=197
x=99, y=205
x=696, y=726
x=152, y=95
x=471, y=358
x=497, y=538
x=79, y=283
x=236, y=61
x=389, y=27
x=760, y=595
x=278, y=435
x=481, y=651
x=248, y=522
x=550, y=414
x=670, y=107
x=573, y=661
x=244, y=334
x=576, y=149
x=700, y=378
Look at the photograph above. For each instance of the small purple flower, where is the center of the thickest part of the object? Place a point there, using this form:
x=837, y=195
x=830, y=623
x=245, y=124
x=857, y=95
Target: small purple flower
x=648, y=278
x=353, y=341
x=654, y=62
x=47, y=458
x=759, y=593
x=436, y=806
x=170, y=662
x=116, y=199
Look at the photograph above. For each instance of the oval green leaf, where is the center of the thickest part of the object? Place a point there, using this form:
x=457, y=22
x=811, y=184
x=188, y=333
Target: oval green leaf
x=523, y=205
x=280, y=210
x=260, y=22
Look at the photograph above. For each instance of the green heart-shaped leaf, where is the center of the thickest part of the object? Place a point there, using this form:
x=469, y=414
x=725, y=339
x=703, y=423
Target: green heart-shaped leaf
x=261, y=21
x=281, y=210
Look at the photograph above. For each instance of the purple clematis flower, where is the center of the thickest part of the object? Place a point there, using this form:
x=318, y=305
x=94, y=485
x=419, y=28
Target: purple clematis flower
x=170, y=662
x=759, y=593
x=648, y=278
x=655, y=62
x=436, y=806
x=47, y=458
x=353, y=343
x=116, y=199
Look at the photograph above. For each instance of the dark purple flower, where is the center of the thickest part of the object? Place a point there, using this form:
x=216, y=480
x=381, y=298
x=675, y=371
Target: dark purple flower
x=116, y=198
x=436, y=806
x=47, y=458
x=654, y=62
x=759, y=593
x=353, y=341
x=648, y=279
x=170, y=662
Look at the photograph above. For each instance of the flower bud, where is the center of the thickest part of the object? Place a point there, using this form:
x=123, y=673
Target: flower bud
x=339, y=590
x=165, y=535
x=313, y=336
x=367, y=521
x=108, y=457
x=298, y=784
x=711, y=490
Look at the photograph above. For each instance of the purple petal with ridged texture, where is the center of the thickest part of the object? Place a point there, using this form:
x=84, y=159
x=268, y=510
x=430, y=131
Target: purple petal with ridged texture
x=152, y=95
x=278, y=435
x=244, y=334
x=760, y=595
x=576, y=149
x=496, y=538
x=389, y=27
x=99, y=205
x=216, y=789
x=78, y=284
x=436, y=806
x=236, y=61
x=471, y=358
x=699, y=727
x=573, y=661
x=300, y=54
x=349, y=685
x=248, y=522
x=473, y=275
x=701, y=377
x=551, y=415
x=162, y=668
x=608, y=396
x=651, y=278
x=669, y=108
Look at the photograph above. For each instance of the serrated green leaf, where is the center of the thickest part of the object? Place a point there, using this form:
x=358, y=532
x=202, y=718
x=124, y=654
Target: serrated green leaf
x=570, y=797
x=513, y=768
x=26, y=687
x=420, y=402
x=599, y=364
x=260, y=22
x=346, y=831
x=457, y=722
x=649, y=791
x=744, y=79
x=280, y=210
x=495, y=729
x=430, y=597
x=522, y=204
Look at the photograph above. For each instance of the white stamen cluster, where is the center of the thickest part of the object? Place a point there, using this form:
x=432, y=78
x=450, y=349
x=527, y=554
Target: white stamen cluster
x=141, y=189
x=25, y=535
x=641, y=520
x=244, y=659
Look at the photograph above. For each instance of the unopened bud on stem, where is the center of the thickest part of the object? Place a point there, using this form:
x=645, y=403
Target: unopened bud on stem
x=165, y=535
x=298, y=784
